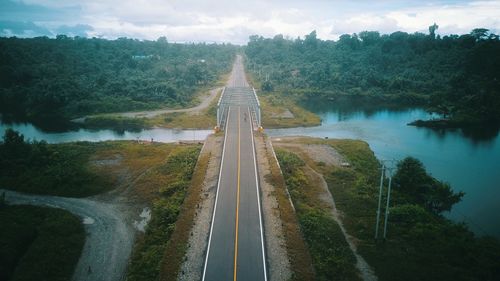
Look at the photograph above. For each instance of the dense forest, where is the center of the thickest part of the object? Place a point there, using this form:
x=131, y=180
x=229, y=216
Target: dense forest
x=44, y=79
x=455, y=76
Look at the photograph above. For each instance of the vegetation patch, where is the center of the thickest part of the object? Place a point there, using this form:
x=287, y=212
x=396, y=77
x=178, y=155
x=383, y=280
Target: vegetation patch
x=38, y=243
x=300, y=258
x=274, y=105
x=172, y=180
x=187, y=119
x=331, y=255
x=177, y=245
x=38, y=167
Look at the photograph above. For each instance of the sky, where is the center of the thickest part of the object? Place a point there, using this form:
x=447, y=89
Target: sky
x=233, y=21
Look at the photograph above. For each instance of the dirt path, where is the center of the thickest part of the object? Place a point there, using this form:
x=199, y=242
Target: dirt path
x=206, y=99
x=109, y=238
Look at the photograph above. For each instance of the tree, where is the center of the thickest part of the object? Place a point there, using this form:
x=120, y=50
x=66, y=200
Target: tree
x=480, y=33
x=432, y=30
x=12, y=138
x=369, y=37
x=417, y=187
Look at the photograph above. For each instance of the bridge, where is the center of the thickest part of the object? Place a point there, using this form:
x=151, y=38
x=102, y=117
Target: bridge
x=238, y=96
x=235, y=248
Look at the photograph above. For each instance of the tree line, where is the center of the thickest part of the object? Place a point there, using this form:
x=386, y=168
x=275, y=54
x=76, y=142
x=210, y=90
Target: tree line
x=456, y=76
x=44, y=79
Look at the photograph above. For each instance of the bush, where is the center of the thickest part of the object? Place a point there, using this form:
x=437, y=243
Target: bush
x=39, y=243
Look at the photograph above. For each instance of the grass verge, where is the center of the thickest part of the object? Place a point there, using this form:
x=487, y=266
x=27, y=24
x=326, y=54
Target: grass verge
x=331, y=255
x=172, y=180
x=300, y=258
x=38, y=243
x=177, y=245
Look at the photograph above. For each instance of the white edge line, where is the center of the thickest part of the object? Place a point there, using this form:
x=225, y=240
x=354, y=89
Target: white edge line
x=216, y=197
x=258, y=201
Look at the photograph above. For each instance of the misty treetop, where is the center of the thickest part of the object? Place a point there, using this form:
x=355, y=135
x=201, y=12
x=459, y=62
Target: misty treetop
x=455, y=75
x=42, y=78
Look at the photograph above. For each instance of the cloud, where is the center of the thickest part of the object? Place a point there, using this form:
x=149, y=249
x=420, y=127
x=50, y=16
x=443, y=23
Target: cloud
x=235, y=21
x=81, y=30
x=23, y=29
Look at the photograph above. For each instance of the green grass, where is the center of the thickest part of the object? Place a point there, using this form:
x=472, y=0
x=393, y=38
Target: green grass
x=175, y=175
x=274, y=104
x=331, y=255
x=39, y=243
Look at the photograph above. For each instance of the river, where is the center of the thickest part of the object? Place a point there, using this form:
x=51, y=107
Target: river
x=469, y=161
x=161, y=135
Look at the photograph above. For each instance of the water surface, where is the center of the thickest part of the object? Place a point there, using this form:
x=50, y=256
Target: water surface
x=161, y=135
x=468, y=160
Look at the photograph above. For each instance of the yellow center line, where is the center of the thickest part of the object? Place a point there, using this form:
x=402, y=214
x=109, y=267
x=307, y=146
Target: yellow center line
x=237, y=199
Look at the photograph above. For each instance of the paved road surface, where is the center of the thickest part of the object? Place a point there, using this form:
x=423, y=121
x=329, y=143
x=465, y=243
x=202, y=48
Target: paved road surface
x=236, y=249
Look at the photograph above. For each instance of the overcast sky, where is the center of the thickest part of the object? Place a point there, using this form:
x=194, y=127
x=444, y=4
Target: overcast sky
x=234, y=21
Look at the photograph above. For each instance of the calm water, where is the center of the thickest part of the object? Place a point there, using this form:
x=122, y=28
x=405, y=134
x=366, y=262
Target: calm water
x=162, y=135
x=469, y=161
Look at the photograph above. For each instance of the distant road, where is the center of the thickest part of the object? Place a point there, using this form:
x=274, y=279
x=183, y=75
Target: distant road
x=236, y=247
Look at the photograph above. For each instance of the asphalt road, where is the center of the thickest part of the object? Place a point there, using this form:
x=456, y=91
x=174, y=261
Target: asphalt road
x=235, y=248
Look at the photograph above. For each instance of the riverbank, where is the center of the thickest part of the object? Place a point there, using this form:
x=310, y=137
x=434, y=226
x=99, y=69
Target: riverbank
x=279, y=111
x=419, y=245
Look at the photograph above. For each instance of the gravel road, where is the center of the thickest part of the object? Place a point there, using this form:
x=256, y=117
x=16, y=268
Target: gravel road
x=109, y=236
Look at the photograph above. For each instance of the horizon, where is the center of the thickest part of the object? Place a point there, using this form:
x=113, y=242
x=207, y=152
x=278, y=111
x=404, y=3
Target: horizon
x=194, y=21
x=229, y=43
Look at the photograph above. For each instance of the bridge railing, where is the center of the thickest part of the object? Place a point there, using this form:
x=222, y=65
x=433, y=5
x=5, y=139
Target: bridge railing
x=238, y=96
x=256, y=108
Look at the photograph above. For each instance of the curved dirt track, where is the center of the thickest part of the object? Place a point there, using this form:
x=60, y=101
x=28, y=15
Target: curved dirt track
x=109, y=238
x=206, y=99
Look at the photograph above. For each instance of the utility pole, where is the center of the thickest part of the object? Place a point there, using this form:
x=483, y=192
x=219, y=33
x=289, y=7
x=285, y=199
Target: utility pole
x=388, y=199
x=389, y=166
x=379, y=199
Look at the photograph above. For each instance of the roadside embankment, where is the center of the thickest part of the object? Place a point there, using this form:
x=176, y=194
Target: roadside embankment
x=286, y=249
